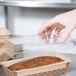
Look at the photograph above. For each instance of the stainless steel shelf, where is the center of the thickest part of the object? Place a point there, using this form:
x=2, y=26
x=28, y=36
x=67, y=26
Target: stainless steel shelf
x=35, y=4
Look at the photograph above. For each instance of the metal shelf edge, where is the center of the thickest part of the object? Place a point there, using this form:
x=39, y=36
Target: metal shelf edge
x=35, y=4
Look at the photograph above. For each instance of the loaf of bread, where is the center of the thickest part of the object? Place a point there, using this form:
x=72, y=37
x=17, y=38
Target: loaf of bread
x=4, y=33
x=4, y=55
x=1, y=44
x=35, y=62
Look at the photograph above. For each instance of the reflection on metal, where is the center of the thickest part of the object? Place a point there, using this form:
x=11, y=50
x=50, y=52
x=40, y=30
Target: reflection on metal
x=37, y=4
x=6, y=16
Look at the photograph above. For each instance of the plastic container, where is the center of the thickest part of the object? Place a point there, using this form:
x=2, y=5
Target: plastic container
x=32, y=45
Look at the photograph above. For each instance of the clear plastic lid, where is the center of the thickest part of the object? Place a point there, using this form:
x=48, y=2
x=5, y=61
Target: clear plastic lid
x=32, y=45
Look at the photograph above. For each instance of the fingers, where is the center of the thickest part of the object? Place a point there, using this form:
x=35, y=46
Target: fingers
x=65, y=34
x=57, y=26
x=43, y=36
x=58, y=29
x=46, y=25
x=49, y=30
x=56, y=34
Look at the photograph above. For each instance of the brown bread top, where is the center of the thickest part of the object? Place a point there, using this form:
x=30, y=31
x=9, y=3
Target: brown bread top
x=35, y=62
x=1, y=44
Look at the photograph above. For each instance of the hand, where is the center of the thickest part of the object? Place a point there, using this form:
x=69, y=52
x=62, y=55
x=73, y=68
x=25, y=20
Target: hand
x=66, y=21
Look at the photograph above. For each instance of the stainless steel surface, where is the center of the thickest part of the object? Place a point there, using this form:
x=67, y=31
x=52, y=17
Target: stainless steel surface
x=36, y=4
x=7, y=20
x=71, y=71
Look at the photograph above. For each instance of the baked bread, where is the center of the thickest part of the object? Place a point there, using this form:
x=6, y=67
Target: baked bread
x=4, y=55
x=35, y=62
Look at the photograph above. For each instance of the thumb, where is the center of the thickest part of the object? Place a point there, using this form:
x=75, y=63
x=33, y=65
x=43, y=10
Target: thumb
x=65, y=34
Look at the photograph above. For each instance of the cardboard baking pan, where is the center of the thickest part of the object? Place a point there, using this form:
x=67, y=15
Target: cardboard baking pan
x=4, y=55
x=4, y=33
x=47, y=70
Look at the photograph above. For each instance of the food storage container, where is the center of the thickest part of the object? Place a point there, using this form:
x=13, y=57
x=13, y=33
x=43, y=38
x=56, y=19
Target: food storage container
x=23, y=46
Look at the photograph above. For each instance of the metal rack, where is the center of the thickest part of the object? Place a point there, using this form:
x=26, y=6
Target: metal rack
x=33, y=4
